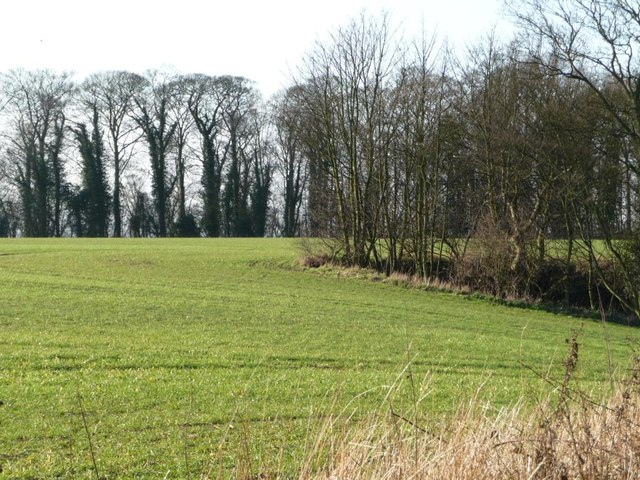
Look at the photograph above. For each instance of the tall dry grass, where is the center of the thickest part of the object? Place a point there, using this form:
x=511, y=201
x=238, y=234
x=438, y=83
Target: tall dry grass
x=569, y=437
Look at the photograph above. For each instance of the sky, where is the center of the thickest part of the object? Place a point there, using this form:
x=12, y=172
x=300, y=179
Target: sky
x=261, y=40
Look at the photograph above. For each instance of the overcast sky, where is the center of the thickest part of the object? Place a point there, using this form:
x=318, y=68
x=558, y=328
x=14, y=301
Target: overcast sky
x=262, y=40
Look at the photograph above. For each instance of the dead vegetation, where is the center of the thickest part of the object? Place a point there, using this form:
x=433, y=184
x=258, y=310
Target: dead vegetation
x=570, y=436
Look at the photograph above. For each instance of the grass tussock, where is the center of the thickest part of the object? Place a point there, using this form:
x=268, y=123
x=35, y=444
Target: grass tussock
x=569, y=437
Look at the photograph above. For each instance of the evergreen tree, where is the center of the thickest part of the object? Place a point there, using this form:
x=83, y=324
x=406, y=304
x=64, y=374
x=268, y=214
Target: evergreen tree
x=94, y=199
x=260, y=193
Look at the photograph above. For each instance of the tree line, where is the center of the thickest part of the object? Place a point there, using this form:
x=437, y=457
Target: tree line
x=127, y=154
x=513, y=169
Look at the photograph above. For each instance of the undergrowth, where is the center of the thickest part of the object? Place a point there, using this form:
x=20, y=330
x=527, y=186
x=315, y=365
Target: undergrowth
x=326, y=265
x=579, y=285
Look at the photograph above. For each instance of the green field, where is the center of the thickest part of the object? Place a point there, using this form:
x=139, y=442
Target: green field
x=183, y=358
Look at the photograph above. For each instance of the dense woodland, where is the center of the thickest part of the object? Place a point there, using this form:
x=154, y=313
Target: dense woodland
x=512, y=168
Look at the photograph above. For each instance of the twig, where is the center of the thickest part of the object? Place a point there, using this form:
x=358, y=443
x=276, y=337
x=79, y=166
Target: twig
x=86, y=429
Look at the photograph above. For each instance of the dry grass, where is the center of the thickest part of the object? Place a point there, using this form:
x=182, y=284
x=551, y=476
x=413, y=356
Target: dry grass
x=569, y=437
x=597, y=443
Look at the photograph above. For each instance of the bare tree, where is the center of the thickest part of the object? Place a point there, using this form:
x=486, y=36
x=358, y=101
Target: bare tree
x=593, y=41
x=259, y=154
x=152, y=113
x=413, y=213
x=111, y=95
x=240, y=110
x=347, y=82
x=37, y=110
x=205, y=103
x=184, y=128
x=291, y=156
x=596, y=43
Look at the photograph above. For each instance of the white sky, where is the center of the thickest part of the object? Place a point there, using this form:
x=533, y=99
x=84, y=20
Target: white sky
x=262, y=40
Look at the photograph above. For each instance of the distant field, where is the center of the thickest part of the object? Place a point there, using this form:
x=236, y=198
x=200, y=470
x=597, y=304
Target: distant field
x=176, y=358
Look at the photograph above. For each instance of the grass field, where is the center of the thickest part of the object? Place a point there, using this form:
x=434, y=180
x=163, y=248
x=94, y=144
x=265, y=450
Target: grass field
x=184, y=358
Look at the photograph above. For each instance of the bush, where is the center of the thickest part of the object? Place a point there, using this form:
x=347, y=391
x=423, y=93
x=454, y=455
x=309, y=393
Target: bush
x=186, y=226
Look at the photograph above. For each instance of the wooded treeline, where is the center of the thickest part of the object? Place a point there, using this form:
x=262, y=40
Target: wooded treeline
x=140, y=155
x=513, y=169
